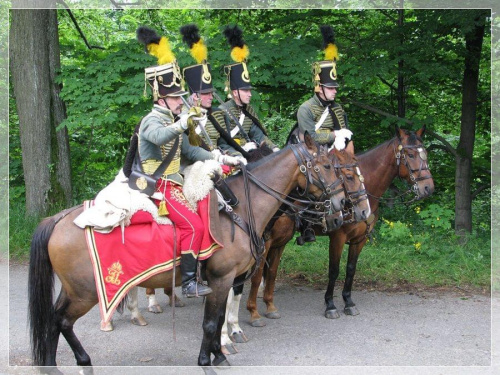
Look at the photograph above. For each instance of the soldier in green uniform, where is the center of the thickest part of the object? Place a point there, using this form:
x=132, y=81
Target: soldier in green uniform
x=249, y=133
x=320, y=116
x=324, y=119
x=157, y=134
x=199, y=81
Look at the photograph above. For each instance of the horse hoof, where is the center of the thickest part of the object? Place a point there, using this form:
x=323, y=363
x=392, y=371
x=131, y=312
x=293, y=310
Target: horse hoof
x=178, y=303
x=258, y=323
x=332, y=314
x=87, y=370
x=209, y=370
x=239, y=337
x=352, y=310
x=229, y=349
x=273, y=315
x=50, y=370
x=107, y=327
x=155, y=309
x=220, y=362
x=139, y=321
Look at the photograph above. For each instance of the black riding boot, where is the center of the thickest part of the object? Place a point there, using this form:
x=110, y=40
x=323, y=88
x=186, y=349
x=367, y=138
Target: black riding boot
x=190, y=287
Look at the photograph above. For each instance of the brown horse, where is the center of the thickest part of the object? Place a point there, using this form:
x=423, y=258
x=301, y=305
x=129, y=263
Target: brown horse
x=59, y=247
x=347, y=169
x=405, y=157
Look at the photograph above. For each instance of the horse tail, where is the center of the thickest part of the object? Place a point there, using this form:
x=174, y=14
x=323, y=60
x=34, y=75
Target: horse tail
x=40, y=292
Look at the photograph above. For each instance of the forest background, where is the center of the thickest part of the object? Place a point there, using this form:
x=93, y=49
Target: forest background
x=397, y=67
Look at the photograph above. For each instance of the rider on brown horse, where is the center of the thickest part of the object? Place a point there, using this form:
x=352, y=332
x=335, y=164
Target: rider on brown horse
x=157, y=134
x=324, y=119
x=238, y=116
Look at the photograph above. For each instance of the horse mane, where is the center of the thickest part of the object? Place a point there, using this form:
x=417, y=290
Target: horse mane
x=413, y=138
x=255, y=164
x=386, y=143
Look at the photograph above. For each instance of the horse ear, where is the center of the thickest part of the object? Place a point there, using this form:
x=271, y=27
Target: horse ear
x=420, y=132
x=398, y=131
x=350, y=148
x=308, y=140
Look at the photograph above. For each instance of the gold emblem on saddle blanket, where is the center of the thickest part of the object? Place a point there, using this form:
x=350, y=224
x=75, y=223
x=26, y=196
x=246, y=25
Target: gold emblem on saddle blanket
x=114, y=273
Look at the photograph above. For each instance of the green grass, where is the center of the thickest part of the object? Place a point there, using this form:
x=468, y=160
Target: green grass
x=21, y=230
x=438, y=262
x=392, y=258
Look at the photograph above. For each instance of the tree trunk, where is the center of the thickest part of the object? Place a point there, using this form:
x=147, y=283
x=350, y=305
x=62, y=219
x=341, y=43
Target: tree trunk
x=33, y=50
x=60, y=139
x=401, y=82
x=463, y=209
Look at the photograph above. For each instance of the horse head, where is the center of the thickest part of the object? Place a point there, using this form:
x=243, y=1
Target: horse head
x=411, y=158
x=318, y=175
x=347, y=169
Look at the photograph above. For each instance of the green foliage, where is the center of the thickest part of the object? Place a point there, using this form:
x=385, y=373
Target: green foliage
x=437, y=216
x=401, y=257
x=103, y=88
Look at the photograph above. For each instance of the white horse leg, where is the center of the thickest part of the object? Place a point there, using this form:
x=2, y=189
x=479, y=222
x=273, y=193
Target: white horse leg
x=237, y=334
x=153, y=305
x=226, y=343
x=260, y=291
x=133, y=306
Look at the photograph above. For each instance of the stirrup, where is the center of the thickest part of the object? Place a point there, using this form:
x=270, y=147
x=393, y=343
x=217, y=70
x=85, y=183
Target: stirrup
x=308, y=235
x=194, y=289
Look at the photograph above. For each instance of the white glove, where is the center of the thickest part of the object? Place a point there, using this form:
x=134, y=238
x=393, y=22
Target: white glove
x=276, y=149
x=216, y=153
x=249, y=146
x=184, y=120
x=229, y=160
x=197, y=113
x=242, y=160
x=340, y=138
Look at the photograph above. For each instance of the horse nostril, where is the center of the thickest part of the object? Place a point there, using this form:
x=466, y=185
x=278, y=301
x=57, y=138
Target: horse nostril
x=342, y=202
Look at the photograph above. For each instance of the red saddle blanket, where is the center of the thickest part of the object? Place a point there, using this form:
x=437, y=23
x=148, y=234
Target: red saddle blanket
x=146, y=250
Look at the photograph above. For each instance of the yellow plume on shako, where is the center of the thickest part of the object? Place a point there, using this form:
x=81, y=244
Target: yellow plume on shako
x=155, y=45
x=239, y=50
x=329, y=47
x=240, y=54
x=331, y=52
x=199, y=51
x=162, y=51
x=197, y=48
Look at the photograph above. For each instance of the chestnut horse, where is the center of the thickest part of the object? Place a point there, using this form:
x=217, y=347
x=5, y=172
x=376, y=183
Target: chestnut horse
x=349, y=174
x=403, y=156
x=59, y=247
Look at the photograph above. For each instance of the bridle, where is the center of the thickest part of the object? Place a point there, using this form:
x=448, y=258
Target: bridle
x=401, y=154
x=353, y=197
x=307, y=164
x=312, y=172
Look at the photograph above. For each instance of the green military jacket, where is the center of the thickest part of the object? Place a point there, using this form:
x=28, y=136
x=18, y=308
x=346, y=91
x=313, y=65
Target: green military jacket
x=311, y=112
x=157, y=134
x=211, y=131
x=254, y=132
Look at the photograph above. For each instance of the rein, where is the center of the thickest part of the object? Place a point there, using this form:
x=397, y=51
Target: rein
x=306, y=163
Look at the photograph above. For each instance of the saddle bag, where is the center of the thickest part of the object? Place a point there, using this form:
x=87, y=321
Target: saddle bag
x=145, y=183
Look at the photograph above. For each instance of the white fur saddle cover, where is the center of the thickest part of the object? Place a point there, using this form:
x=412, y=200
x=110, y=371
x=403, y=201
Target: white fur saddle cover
x=116, y=203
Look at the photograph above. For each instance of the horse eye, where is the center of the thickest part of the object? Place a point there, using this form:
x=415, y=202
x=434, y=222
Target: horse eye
x=327, y=166
x=350, y=177
x=411, y=156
